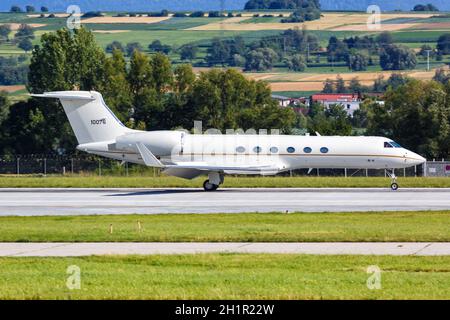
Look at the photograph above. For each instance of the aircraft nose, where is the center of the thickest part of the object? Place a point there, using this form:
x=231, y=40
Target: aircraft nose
x=415, y=158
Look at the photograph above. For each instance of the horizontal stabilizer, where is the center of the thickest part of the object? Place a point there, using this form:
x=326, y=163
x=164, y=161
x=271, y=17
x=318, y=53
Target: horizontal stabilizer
x=66, y=95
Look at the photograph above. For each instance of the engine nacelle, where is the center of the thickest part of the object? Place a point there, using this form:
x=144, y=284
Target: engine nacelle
x=160, y=143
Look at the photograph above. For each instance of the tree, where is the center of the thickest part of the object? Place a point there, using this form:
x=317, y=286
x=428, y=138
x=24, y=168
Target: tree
x=188, y=52
x=329, y=86
x=296, y=63
x=417, y=115
x=161, y=72
x=64, y=60
x=115, y=88
x=228, y=100
x=24, y=32
x=16, y=9
x=115, y=45
x=25, y=44
x=424, y=49
x=396, y=57
x=214, y=14
x=218, y=53
x=4, y=111
x=260, y=59
x=44, y=9
x=5, y=30
x=443, y=44
x=329, y=121
x=385, y=38
x=144, y=95
x=308, y=12
x=355, y=86
x=340, y=85
x=426, y=7
x=357, y=61
x=177, y=112
x=197, y=14
x=157, y=46
x=30, y=9
x=337, y=50
x=132, y=47
x=442, y=76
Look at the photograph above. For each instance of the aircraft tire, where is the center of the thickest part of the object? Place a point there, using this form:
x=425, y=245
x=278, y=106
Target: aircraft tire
x=394, y=186
x=209, y=186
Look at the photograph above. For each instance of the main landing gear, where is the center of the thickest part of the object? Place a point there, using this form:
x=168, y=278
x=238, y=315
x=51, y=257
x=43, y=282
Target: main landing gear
x=214, y=180
x=394, y=184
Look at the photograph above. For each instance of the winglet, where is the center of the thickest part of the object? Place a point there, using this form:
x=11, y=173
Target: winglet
x=149, y=158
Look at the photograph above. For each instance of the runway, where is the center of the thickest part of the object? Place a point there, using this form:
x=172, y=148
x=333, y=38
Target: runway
x=34, y=202
x=332, y=248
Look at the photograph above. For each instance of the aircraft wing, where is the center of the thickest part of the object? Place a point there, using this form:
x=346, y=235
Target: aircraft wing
x=196, y=168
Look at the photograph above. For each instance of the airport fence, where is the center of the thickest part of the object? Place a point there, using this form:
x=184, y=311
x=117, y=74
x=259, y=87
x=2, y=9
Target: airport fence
x=93, y=165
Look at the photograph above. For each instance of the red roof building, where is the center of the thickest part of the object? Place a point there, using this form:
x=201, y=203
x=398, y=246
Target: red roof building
x=350, y=101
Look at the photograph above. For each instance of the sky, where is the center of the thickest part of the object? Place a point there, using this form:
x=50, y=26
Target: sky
x=157, y=5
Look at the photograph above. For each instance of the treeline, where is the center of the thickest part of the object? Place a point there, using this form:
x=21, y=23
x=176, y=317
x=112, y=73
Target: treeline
x=22, y=38
x=380, y=84
x=297, y=50
x=145, y=93
x=414, y=113
x=304, y=10
x=28, y=9
x=13, y=70
x=425, y=7
x=291, y=48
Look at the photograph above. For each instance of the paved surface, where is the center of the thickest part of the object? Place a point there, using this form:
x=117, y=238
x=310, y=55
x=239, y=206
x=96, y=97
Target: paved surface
x=87, y=249
x=27, y=202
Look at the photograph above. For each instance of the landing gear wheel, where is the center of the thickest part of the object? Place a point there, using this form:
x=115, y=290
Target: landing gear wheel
x=394, y=184
x=209, y=186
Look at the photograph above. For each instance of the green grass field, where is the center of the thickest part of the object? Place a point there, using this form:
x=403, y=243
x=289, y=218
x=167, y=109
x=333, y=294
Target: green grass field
x=226, y=276
x=230, y=182
x=245, y=227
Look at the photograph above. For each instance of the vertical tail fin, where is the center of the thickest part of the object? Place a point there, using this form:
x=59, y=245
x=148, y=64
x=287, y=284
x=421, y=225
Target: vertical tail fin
x=90, y=118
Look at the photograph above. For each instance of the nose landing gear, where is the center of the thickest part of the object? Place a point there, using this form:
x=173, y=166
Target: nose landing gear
x=394, y=184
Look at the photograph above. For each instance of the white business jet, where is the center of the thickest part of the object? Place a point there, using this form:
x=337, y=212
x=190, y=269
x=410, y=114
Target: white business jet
x=185, y=155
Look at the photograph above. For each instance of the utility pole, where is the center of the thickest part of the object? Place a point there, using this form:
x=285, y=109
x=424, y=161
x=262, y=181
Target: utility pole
x=307, y=52
x=428, y=59
x=222, y=9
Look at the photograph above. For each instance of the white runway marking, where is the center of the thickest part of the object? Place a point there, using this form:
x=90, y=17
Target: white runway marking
x=331, y=248
x=29, y=202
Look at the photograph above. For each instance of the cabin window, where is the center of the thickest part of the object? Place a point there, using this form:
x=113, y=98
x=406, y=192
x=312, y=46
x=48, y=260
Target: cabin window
x=307, y=150
x=257, y=149
x=274, y=150
x=290, y=150
x=240, y=149
x=387, y=145
x=324, y=150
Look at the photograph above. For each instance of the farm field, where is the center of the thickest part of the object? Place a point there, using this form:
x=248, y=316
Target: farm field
x=313, y=81
x=409, y=29
x=329, y=21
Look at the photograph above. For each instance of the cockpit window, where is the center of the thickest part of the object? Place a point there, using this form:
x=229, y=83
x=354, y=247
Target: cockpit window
x=395, y=144
x=392, y=144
